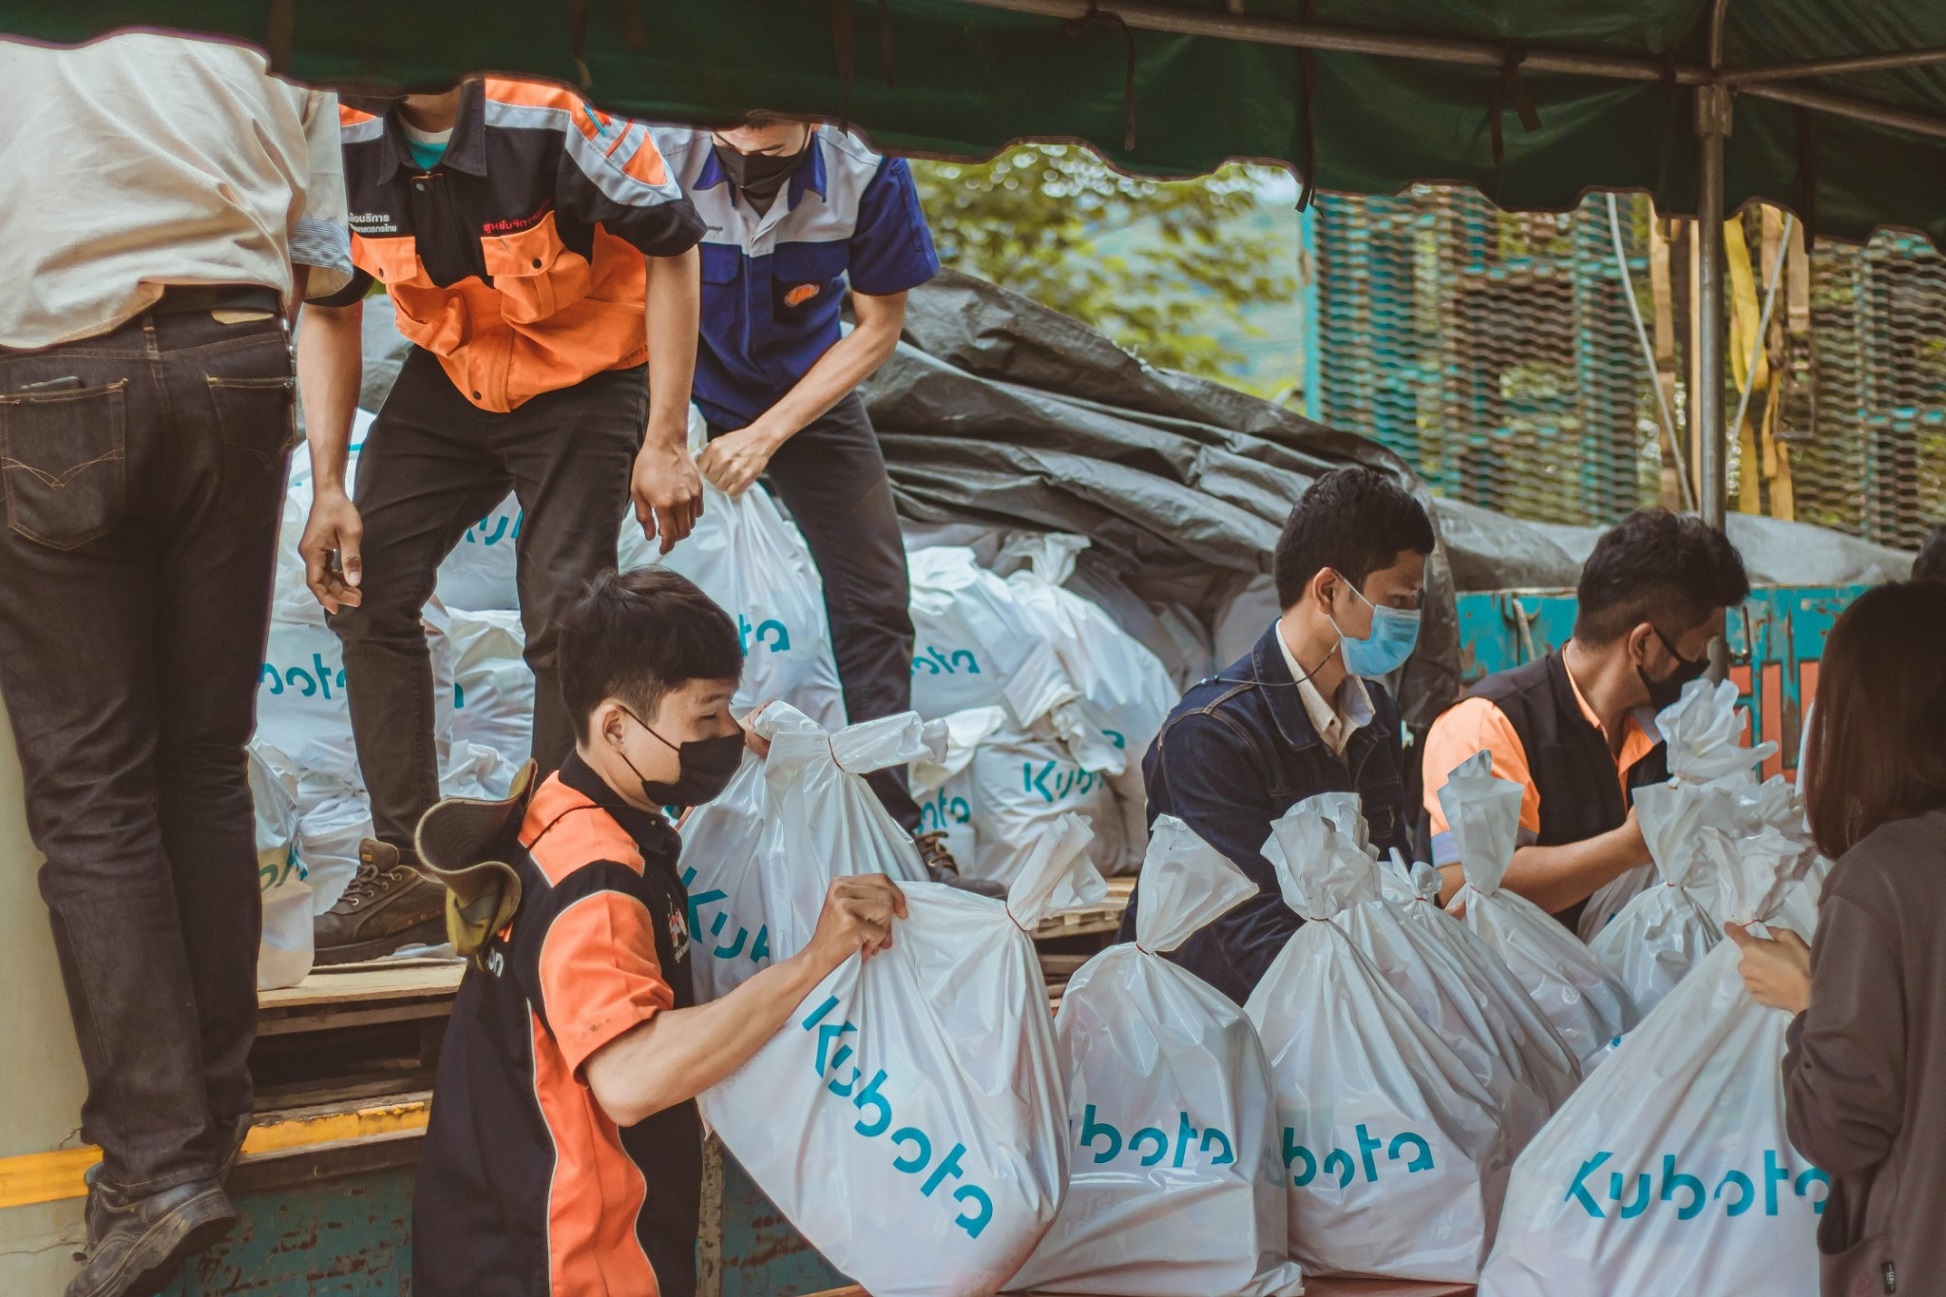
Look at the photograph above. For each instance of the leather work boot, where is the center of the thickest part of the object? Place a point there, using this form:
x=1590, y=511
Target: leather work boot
x=136, y=1245
x=388, y=904
x=942, y=868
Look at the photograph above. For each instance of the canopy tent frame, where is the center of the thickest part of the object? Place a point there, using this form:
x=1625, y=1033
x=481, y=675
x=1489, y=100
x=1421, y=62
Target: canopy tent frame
x=1716, y=87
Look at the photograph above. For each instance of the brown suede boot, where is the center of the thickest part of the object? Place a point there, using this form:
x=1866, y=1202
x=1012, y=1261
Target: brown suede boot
x=389, y=904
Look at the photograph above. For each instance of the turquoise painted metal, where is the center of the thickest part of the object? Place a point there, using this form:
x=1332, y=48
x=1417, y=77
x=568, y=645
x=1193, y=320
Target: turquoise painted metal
x=349, y=1237
x=1776, y=641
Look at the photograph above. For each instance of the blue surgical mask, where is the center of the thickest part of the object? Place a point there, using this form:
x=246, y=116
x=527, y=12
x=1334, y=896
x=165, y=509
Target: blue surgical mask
x=1395, y=633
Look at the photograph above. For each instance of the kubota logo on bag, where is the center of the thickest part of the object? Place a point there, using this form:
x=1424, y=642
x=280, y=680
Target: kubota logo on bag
x=759, y=952
x=311, y=680
x=1149, y=1145
x=1339, y=1165
x=915, y=1146
x=1058, y=781
x=770, y=633
x=938, y=661
x=940, y=811
x=1736, y=1191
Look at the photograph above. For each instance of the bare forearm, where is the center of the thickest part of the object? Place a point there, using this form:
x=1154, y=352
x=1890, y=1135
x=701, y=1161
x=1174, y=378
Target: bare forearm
x=675, y=297
x=680, y=1053
x=853, y=359
x=1555, y=878
x=329, y=367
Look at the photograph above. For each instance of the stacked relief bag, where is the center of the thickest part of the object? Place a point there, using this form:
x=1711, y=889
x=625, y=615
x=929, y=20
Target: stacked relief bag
x=1671, y=1171
x=1176, y=1183
x=1395, y=1154
x=909, y=1119
x=1586, y=1004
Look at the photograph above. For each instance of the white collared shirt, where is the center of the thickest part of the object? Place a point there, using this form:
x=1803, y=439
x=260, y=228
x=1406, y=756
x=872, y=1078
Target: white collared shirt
x=1334, y=722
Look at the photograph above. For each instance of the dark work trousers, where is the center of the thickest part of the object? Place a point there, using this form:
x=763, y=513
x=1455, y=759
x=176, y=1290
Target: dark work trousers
x=831, y=476
x=144, y=475
x=433, y=464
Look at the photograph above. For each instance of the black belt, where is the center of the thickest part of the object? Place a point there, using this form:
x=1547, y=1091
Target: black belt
x=185, y=299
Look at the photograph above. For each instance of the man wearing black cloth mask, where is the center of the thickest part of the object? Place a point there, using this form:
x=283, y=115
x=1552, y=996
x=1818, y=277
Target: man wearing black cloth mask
x=799, y=216
x=1576, y=729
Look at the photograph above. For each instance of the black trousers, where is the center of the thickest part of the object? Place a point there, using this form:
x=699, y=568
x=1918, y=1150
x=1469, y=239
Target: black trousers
x=831, y=476
x=144, y=475
x=434, y=463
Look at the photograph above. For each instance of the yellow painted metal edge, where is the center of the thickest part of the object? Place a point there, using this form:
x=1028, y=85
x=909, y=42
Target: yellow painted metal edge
x=31, y=1178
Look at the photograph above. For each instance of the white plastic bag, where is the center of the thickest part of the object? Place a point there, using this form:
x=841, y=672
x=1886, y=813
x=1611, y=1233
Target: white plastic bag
x=909, y=1118
x=1658, y=937
x=970, y=635
x=1457, y=987
x=482, y=573
x=287, y=949
x=750, y=559
x=1704, y=731
x=1175, y=1184
x=1671, y=1170
x=1395, y=1154
x=493, y=690
x=997, y=790
x=1586, y=1004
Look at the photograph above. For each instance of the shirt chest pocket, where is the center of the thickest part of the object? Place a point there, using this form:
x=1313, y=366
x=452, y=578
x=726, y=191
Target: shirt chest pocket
x=807, y=281
x=534, y=272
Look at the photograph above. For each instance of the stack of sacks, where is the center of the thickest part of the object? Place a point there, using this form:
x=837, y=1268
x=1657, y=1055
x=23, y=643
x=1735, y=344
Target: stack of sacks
x=1671, y=1170
x=922, y=1090
x=1077, y=701
x=1704, y=732
x=285, y=953
x=1586, y=1004
x=1175, y=1183
x=1395, y=1153
x=1457, y=986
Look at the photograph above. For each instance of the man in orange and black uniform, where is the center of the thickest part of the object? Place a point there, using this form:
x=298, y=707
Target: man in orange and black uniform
x=1576, y=729
x=542, y=260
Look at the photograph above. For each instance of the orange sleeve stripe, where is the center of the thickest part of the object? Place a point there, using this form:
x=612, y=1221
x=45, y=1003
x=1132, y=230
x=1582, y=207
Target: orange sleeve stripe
x=1472, y=725
x=349, y=116
x=546, y=94
x=599, y=974
x=646, y=164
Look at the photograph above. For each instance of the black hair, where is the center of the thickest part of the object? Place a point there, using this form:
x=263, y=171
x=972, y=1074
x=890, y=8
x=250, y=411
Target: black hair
x=1931, y=563
x=1355, y=521
x=1670, y=570
x=636, y=636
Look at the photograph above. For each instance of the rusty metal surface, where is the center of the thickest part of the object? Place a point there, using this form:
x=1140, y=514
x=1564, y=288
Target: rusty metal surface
x=348, y=1237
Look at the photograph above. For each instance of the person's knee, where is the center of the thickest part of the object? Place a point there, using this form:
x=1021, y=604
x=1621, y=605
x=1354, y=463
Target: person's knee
x=379, y=618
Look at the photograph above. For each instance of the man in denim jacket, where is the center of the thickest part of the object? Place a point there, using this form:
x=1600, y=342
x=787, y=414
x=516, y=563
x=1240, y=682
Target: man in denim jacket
x=1302, y=713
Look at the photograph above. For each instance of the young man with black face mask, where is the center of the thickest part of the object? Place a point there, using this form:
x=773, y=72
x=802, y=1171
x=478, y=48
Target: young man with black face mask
x=801, y=216
x=1577, y=728
x=565, y=1150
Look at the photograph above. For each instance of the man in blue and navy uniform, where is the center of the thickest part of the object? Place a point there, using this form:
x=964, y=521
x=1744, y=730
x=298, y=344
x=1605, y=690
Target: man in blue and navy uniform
x=799, y=214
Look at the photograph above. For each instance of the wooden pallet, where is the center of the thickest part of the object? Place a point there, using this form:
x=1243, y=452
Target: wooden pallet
x=1104, y=918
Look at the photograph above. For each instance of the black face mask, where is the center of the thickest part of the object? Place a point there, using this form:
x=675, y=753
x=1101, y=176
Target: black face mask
x=759, y=176
x=1667, y=690
x=705, y=768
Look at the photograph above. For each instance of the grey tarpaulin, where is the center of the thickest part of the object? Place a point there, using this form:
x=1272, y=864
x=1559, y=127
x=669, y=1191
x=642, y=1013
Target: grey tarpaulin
x=998, y=410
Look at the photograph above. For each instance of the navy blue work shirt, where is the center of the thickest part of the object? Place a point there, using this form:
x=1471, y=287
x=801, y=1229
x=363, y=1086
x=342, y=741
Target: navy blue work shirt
x=773, y=282
x=1237, y=752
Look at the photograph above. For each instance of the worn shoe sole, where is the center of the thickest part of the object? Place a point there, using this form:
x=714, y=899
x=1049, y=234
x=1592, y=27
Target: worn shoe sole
x=428, y=933
x=150, y=1265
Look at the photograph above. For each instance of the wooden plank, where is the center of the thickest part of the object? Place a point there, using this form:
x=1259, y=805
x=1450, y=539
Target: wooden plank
x=1083, y=920
x=367, y=983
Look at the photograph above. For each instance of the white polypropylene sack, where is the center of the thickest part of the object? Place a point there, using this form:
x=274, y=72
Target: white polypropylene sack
x=1658, y=937
x=752, y=561
x=287, y=949
x=908, y=1119
x=1704, y=731
x=493, y=690
x=1440, y=969
x=1587, y=1005
x=301, y=705
x=1671, y=1170
x=1175, y=1183
x=969, y=634
x=1395, y=1155
x=997, y=790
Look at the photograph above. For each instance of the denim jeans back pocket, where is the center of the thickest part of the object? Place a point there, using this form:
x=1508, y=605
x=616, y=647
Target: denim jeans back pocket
x=64, y=459
x=254, y=415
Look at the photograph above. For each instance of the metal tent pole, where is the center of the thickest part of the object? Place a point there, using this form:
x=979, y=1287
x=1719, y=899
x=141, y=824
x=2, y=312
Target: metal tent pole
x=1712, y=125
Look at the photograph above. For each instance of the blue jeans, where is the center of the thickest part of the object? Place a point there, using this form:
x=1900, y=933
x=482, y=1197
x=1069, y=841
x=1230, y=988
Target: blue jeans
x=144, y=475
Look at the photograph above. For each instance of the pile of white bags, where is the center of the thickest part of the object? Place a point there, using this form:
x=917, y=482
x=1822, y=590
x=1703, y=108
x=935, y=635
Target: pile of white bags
x=1395, y=1154
x=921, y=1090
x=1050, y=701
x=1175, y=1184
x=1586, y=1004
x=1457, y=986
x=1671, y=1170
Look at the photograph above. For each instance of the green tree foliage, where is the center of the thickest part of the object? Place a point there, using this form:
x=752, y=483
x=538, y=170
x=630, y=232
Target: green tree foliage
x=1144, y=261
